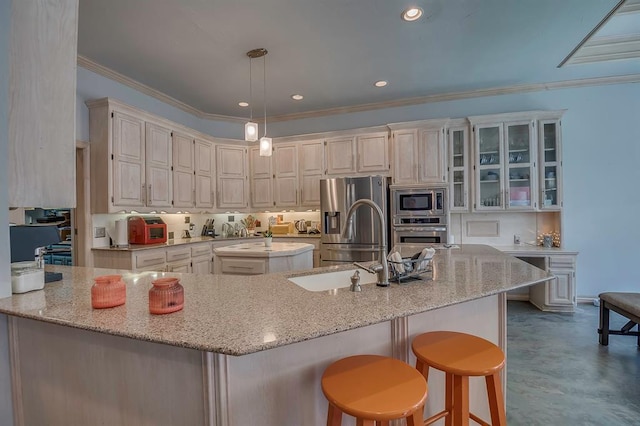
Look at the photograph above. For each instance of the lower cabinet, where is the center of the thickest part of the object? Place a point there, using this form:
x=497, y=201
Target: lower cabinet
x=559, y=293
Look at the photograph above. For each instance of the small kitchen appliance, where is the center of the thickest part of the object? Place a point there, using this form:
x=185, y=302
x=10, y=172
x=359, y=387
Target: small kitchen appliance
x=147, y=230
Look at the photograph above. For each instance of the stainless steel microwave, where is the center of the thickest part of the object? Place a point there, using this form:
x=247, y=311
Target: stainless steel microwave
x=418, y=202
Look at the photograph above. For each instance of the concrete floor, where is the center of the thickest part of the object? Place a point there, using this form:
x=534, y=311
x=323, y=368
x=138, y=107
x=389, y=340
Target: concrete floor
x=558, y=374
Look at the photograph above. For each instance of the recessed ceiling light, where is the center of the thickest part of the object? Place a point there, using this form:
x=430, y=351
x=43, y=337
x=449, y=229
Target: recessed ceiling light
x=243, y=104
x=297, y=97
x=381, y=83
x=412, y=14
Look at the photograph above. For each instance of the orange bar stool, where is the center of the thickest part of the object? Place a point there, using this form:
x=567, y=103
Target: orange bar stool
x=460, y=356
x=374, y=388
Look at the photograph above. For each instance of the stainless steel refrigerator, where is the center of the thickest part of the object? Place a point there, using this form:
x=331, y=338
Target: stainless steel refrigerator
x=336, y=196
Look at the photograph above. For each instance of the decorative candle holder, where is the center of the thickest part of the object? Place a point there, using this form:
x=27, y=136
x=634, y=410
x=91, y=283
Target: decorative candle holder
x=108, y=291
x=166, y=296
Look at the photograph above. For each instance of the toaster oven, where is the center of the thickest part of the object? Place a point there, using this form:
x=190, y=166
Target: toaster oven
x=147, y=230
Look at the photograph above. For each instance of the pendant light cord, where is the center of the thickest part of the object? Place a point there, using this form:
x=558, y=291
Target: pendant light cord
x=250, y=93
x=264, y=87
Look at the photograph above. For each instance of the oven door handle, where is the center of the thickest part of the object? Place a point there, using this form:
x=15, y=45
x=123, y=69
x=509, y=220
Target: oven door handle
x=422, y=229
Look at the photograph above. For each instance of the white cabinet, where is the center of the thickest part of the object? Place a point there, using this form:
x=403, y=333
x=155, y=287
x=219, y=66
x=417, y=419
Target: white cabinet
x=201, y=258
x=341, y=154
x=458, y=158
x=147, y=260
x=311, y=170
x=504, y=162
x=418, y=151
x=158, y=160
x=261, y=179
x=232, y=177
x=41, y=100
x=285, y=175
x=183, y=176
x=179, y=259
x=373, y=153
x=359, y=154
x=128, y=160
x=558, y=294
x=204, y=174
x=550, y=161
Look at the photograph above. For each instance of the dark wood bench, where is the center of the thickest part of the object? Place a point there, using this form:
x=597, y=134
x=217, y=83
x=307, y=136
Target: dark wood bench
x=627, y=305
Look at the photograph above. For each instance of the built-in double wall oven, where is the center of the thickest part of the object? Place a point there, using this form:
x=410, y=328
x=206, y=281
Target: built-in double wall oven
x=419, y=214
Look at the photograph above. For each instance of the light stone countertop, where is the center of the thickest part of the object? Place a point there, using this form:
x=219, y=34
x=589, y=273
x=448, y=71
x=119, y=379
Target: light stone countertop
x=258, y=249
x=524, y=249
x=239, y=315
x=195, y=240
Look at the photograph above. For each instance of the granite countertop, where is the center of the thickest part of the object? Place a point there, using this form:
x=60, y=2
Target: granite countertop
x=194, y=240
x=522, y=249
x=239, y=315
x=258, y=249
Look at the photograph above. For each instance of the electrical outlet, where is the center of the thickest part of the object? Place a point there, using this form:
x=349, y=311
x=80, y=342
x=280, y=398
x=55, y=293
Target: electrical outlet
x=99, y=232
x=231, y=218
x=170, y=235
x=187, y=219
x=516, y=239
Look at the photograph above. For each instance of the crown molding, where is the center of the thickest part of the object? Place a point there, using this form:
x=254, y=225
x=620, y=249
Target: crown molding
x=608, y=49
x=442, y=97
x=630, y=6
x=95, y=67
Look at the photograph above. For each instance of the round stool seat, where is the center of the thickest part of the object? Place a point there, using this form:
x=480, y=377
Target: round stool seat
x=374, y=387
x=458, y=353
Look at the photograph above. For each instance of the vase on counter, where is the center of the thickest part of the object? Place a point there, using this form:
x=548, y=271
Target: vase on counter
x=267, y=241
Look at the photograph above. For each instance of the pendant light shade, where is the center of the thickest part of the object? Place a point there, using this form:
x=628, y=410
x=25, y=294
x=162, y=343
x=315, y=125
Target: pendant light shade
x=265, y=146
x=250, y=131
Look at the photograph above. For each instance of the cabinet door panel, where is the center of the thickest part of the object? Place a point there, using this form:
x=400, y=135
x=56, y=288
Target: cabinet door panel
x=373, y=153
x=128, y=166
x=286, y=191
x=550, y=164
x=204, y=178
x=262, y=192
x=232, y=193
x=340, y=156
x=405, y=152
x=311, y=158
x=561, y=290
x=459, y=168
x=201, y=265
x=431, y=160
x=520, y=157
x=158, y=158
x=260, y=166
x=231, y=168
x=286, y=161
x=489, y=193
x=183, y=186
x=231, y=161
x=183, y=189
x=310, y=196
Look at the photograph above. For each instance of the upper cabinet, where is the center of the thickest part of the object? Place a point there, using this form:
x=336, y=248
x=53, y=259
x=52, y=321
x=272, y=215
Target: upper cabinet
x=232, y=177
x=550, y=160
x=418, y=151
x=42, y=103
x=358, y=154
x=458, y=164
x=138, y=162
x=311, y=170
x=513, y=158
x=285, y=165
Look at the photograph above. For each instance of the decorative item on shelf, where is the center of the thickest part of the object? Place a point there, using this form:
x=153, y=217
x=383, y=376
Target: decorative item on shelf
x=268, y=237
x=166, y=296
x=549, y=239
x=108, y=291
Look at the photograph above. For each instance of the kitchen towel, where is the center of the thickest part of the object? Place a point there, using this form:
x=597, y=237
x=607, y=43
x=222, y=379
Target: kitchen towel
x=426, y=254
x=397, y=262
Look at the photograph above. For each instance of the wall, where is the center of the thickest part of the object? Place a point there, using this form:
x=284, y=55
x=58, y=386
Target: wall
x=6, y=411
x=601, y=153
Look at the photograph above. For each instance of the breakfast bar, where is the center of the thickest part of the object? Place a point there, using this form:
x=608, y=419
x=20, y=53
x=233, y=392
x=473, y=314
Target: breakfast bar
x=245, y=349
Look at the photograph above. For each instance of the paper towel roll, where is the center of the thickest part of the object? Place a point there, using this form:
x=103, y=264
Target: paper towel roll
x=122, y=237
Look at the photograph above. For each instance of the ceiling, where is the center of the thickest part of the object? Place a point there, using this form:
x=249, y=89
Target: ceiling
x=192, y=53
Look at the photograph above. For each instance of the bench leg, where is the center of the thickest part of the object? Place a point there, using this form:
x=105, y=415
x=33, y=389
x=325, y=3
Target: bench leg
x=604, y=324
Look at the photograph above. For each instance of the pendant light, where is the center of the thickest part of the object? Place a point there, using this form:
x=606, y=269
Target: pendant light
x=251, y=127
x=265, y=142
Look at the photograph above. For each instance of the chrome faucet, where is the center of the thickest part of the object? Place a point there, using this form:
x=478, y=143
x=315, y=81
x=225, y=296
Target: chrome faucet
x=383, y=269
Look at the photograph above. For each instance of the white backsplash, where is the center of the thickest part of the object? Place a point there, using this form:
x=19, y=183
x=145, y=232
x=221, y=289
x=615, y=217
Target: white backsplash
x=176, y=222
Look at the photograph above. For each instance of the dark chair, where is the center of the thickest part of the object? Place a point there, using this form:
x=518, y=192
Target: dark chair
x=627, y=305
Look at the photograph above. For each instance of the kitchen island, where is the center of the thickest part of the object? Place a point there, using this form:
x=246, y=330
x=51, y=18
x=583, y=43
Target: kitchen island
x=255, y=258
x=244, y=350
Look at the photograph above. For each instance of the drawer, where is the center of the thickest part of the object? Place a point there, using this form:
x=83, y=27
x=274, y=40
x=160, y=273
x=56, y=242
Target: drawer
x=144, y=260
x=181, y=254
x=243, y=266
x=200, y=250
x=562, y=262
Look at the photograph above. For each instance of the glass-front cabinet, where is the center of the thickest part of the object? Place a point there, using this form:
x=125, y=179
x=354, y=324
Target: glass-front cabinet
x=550, y=183
x=520, y=161
x=504, y=162
x=458, y=140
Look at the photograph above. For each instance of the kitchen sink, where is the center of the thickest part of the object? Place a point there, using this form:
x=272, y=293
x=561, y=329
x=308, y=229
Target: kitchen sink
x=332, y=280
